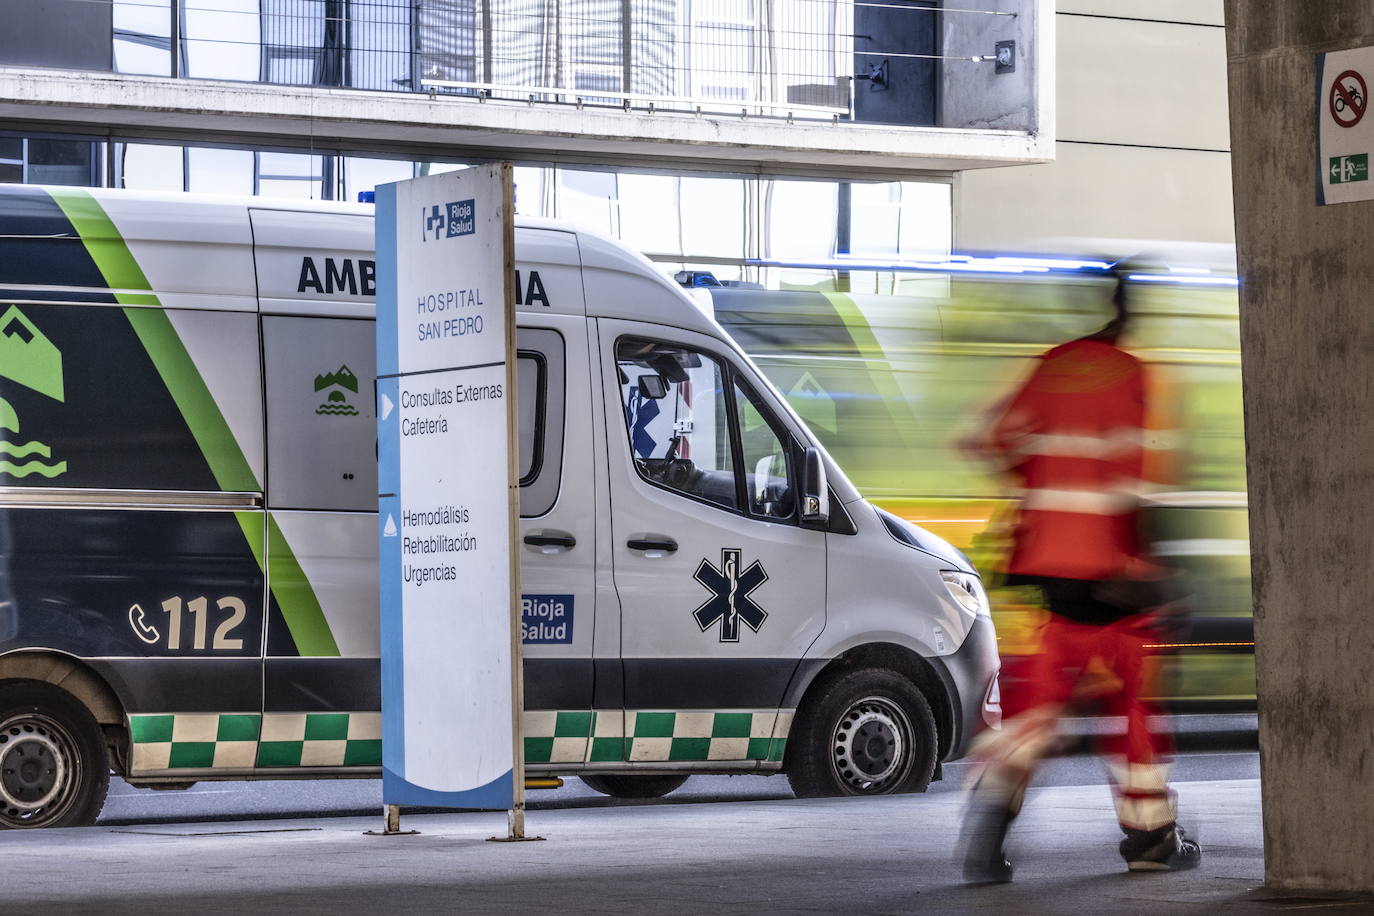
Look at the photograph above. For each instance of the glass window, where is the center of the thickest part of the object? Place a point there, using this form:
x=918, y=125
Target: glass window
x=290, y=175
x=11, y=160
x=523, y=50
x=649, y=213
x=439, y=168
x=675, y=412
x=875, y=219
x=66, y=162
x=378, y=40
x=723, y=65
x=362, y=174
x=927, y=218
x=295, y=48
x=539, y=374
x=142, y=37
x=592, y=35
x=799, y=219
x=767, y=481
x=447, y=37
x=589, y=199
x=219, y=171
x=149, y=167
x=713, y=216
x=529, y=374
x=222, y=39
x=533, y=191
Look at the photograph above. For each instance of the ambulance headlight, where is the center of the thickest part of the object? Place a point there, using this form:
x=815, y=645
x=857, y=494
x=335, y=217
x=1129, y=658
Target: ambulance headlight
x=966, y=589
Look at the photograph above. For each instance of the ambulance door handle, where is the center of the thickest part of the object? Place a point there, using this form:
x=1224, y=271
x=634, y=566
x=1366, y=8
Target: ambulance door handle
x=653, y=545
x=550, y=542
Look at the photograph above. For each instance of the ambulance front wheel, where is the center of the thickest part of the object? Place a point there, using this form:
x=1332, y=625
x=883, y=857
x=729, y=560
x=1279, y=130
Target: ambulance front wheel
x=868, y=732
x=633, y=785
x=54, y=771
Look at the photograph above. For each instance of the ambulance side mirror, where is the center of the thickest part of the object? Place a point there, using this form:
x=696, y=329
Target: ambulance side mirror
x=815, y=503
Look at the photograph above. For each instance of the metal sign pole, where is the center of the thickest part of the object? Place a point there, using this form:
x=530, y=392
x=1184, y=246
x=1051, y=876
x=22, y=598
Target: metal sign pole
x=391, y=823
x=515, y=816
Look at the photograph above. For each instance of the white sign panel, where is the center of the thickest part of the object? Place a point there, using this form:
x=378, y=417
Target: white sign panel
x=443, y=415
x=1345, y=136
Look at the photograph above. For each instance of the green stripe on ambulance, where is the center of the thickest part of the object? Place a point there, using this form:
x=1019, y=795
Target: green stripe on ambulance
x=295, y=596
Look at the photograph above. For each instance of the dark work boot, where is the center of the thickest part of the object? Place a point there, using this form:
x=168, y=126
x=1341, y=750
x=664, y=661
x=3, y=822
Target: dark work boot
x=985, y=832
x=1165, y=849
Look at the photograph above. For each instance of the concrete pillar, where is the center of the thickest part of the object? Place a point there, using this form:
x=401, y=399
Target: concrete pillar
x=1307, y=340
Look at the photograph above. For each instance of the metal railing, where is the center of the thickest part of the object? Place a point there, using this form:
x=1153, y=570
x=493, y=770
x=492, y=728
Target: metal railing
x=769, y=58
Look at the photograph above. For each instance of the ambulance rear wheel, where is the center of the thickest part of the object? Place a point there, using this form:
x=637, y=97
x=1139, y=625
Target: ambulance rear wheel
x=54, y=771
x=867, y=732
x=633, y=785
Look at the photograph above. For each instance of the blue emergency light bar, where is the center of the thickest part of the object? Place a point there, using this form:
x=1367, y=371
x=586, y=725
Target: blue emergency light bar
x=956, y=263
x=1184, y=278
x=997, y=264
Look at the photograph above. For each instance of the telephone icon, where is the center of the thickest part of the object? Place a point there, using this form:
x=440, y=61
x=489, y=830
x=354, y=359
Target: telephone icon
x=144, y=631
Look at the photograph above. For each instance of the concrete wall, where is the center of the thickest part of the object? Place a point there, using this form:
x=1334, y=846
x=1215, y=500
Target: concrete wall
x=910, y=93
x=55, y=33
x=975, y=95
x=1142, y=139
x=1307, y=335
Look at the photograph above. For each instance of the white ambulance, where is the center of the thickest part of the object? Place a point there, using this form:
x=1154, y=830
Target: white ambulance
x=188, y=572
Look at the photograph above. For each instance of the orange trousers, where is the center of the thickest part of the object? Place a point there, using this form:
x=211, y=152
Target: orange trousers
x=1081, y=665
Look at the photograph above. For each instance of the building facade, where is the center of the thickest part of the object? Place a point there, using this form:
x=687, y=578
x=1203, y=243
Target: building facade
x=723, y=133
x=729, y=134
x=1142, y=147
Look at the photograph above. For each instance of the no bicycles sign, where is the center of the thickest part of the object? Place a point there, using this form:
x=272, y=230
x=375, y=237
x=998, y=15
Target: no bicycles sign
x=1347, y=98
x=1345, y=138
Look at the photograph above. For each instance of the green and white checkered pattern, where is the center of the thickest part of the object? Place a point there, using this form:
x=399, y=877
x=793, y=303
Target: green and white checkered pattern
x=245, y=741
x=646, y=736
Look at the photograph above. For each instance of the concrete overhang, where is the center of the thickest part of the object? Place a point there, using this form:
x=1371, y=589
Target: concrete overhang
x=450, y=128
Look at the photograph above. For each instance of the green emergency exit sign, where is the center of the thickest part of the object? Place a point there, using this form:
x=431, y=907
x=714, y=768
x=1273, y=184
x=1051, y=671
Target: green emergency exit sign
x=1345, y=169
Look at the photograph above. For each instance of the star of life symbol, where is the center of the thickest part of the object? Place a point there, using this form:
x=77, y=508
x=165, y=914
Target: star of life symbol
x=730, y=589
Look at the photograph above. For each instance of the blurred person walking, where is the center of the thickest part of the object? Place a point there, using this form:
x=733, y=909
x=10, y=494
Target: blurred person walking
x=1073, y=438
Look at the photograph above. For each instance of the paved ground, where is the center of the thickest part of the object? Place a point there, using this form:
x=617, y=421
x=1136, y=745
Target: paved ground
x=885, y=855
x=1215, y=746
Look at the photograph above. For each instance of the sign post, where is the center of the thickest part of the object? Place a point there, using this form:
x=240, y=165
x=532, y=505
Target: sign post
x=1345, y=137
x=448, y=500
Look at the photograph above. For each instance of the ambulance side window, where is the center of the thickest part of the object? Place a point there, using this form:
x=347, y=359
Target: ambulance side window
x=675, y=405
x=531, y=379
x=767, y=477
x=539, y=417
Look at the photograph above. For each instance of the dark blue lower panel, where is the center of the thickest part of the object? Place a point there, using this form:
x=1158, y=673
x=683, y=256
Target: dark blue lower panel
x=160, y=685
x=353, y=684
x=130, y=583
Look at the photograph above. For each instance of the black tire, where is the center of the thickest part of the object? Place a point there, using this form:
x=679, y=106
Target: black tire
x=633, y=785
x=54, y=771
x=868, y=732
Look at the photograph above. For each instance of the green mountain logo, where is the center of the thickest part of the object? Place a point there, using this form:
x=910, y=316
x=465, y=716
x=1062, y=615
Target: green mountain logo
x=344, y=378
x=336, y=402
x=27, y=358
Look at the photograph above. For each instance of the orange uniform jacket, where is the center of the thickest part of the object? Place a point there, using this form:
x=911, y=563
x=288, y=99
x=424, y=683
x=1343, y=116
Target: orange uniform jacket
x=1073, y=436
